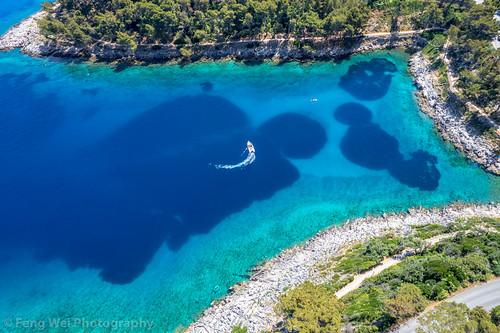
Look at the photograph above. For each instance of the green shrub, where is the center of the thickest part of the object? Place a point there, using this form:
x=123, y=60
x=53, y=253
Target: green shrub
x=480, y=320
x=495, y=315
x=434, y=47
x=447, y=317
x=430, y=230
x=47, y=6
x=311, y=308
x=367, y=255
x=51, y=27
x=408, y=302
x=186, y=52
x=239, y=329
x=338, y=282
x=476, y=267
x=365, y=306
x=126, y=40
x=456, y=318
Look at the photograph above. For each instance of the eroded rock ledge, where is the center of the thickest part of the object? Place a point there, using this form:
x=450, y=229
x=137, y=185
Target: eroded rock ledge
x=251, y=303
x=450, y=122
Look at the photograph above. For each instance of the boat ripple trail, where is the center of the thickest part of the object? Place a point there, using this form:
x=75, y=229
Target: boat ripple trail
x=246, y=162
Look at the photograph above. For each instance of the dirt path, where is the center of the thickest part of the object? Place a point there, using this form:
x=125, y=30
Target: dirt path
x=386, y=263
x=358, y=280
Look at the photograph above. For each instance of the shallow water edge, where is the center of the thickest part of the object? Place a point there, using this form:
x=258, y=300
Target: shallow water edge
x=293, y=266
x=339, y=183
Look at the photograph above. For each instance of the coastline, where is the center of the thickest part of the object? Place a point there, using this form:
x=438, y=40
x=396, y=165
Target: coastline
x=251, y=303
x=450, y=123
x=26, y=36
x=326, y=243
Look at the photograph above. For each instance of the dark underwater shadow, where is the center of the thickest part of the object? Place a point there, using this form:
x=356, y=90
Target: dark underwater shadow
x=419, y=171
x=295, y=135
x=367, y=144
x=113, y=205
x=253, y=62
x=207, y=86
x=121, y=66
x=368, y=80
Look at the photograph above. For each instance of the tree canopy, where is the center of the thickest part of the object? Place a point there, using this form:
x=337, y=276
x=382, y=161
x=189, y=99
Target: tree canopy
x=457, y=318
x=184, y=22
x=311, y=308
x=407, y=303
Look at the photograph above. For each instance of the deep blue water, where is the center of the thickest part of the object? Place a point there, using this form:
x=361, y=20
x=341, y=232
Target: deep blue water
x=111, y=207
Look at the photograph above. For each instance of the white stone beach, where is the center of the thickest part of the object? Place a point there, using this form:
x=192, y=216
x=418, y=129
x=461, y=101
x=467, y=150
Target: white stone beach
x=251, y=303
x=25, y=36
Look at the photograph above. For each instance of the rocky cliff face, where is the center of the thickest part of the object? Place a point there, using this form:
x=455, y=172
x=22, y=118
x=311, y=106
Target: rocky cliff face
x=281, y=49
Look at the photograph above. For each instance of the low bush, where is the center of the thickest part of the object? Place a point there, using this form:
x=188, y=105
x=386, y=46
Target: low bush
x=311, y=308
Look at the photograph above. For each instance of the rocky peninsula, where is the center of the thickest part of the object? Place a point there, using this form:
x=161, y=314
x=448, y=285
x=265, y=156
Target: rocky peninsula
x=26, y=36
x=251, y=303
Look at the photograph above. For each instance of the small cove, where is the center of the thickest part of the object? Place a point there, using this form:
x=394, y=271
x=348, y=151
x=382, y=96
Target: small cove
x=110, y=209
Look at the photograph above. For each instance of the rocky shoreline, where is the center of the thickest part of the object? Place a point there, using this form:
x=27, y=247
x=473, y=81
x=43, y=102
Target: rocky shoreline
x=27, y=37
x=251, y=303
x=450, y=122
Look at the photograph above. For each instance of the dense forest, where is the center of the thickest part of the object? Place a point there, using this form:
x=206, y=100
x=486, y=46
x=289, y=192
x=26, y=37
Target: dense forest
x=185, y=21
x=475, y=59
x=194, y=21
x=468, y=44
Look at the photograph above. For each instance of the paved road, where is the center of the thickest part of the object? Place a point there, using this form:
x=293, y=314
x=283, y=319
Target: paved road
x=486, y=295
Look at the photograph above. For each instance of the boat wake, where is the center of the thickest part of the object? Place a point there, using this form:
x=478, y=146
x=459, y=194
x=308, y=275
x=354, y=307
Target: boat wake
x=246, y=162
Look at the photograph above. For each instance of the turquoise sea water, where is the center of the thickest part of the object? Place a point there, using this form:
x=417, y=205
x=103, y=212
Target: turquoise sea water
x=111, y=210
